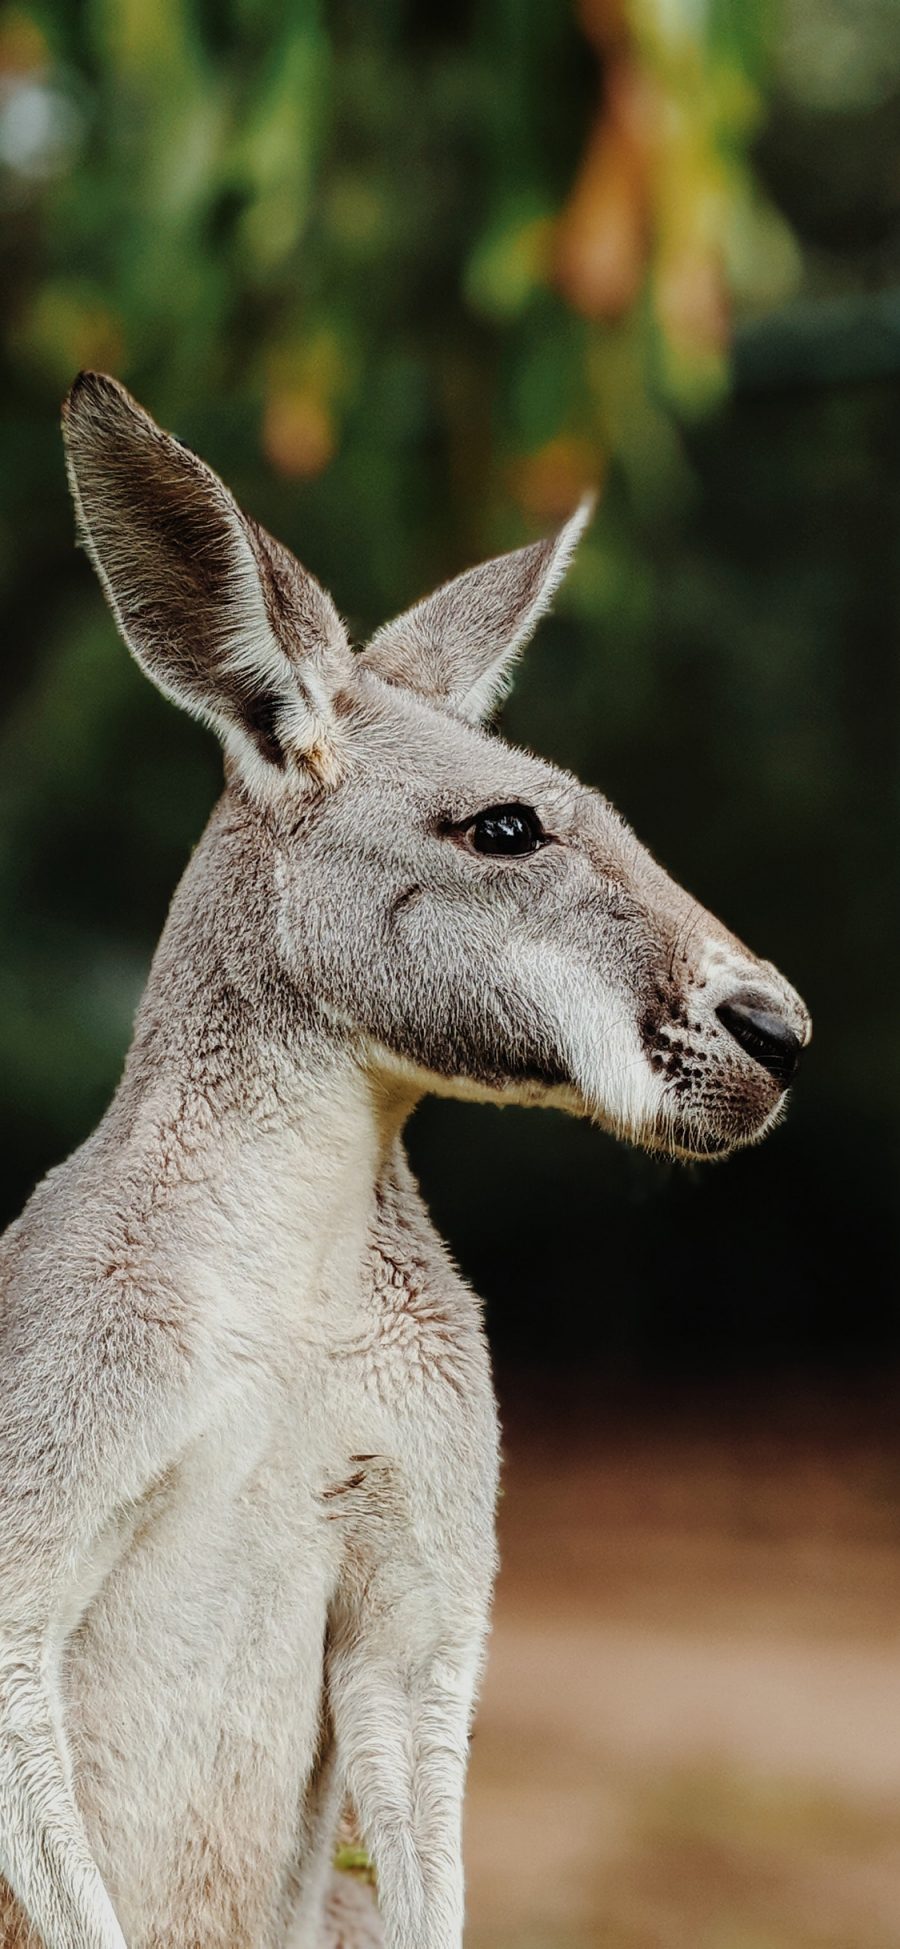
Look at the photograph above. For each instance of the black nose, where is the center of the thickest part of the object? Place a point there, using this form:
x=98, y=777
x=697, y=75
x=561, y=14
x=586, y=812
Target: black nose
x=764, y=1035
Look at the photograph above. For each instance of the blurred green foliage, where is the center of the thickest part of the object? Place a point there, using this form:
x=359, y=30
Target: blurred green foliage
x=409, y=278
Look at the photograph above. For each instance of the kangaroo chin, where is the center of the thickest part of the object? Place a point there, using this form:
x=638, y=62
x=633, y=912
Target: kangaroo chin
x=248, y=1442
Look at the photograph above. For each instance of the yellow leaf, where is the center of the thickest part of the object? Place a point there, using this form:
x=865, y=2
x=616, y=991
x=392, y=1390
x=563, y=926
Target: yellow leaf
x=298, y=433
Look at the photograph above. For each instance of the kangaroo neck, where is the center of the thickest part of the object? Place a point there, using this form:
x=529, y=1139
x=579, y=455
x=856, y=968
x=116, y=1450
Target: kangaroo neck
x=259, y=1159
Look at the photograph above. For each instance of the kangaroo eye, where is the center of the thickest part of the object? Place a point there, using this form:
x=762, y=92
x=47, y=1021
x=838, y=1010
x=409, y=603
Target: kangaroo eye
x=507, y=829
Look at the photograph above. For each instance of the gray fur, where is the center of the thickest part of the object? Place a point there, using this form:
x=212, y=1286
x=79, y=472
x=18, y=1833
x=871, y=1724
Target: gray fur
x=248, y=1446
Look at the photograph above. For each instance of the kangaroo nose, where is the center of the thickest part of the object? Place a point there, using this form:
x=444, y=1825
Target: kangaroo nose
x=764, y=1034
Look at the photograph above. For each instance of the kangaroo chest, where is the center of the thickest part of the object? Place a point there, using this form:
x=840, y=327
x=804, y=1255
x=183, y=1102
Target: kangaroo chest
x=195, y=1679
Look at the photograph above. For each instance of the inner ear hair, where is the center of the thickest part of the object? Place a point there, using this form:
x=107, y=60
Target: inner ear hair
x=261, y=715
x=222, y=618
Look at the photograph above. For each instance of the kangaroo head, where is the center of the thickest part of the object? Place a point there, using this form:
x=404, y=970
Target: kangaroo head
x=458, y=911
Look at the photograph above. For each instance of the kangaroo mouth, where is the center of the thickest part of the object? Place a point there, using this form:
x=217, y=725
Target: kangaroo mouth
x=699, y=1143
x=694, y=1148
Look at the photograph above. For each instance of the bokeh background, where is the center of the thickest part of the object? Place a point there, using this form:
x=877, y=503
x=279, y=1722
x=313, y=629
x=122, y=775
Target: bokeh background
x=410, y=277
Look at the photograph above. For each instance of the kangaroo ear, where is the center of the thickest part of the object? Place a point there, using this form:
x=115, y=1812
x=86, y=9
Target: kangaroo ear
x=459, y=647
x=218, y=614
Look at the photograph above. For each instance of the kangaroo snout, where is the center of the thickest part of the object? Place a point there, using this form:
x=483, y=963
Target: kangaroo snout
x=723, y=1036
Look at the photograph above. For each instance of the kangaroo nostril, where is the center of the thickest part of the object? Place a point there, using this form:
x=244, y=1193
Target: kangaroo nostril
x=764, y=1035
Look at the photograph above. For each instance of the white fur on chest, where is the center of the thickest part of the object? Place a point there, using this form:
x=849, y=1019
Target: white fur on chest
x=193, y=1682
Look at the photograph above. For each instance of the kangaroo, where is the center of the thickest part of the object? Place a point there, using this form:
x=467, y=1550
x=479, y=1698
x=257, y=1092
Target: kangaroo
x=248, y=1441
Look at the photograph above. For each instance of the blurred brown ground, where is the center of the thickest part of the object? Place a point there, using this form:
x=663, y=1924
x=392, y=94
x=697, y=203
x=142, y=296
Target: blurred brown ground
x=690, y=1729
